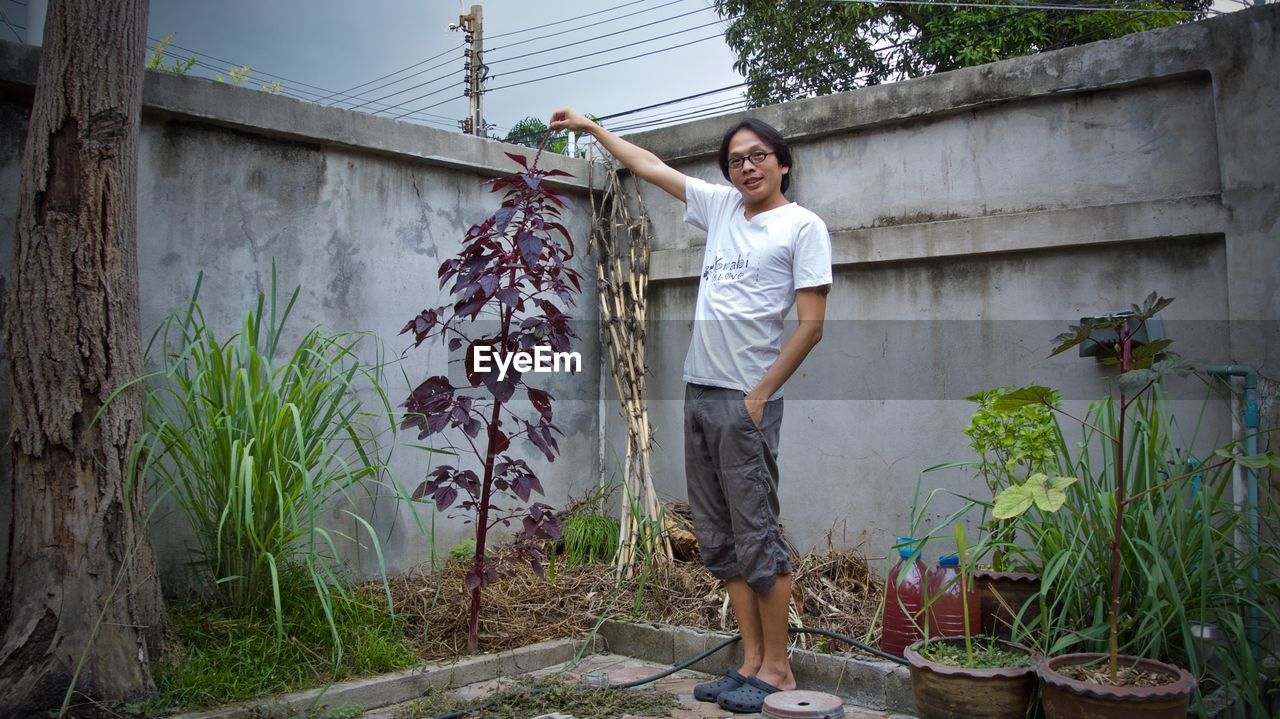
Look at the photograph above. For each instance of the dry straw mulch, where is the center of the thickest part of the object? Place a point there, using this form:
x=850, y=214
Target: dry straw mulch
x=834, y=590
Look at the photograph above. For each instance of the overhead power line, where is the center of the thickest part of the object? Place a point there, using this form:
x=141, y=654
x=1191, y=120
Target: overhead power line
x=602, y=22
x=612, y=34
x=421, y=97
x=397, y=72
x=673, y=102
x=602, y=52
x=604, y=64
x=428, y=107
x=560, y=33
x=295, y=93
x=446, y=76
x=293, y=83
x=720, y=108
x=561, y=22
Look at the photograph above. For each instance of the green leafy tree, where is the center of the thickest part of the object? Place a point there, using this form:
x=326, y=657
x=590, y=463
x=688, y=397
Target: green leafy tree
x=803, y=48
x=529, y=132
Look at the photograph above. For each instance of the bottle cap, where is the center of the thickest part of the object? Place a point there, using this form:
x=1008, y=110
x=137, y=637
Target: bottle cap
x=949, y=560
x=906, y=552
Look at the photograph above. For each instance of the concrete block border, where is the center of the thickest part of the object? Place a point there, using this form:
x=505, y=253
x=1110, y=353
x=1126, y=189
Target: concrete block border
x=871, y=683
x=387, y=689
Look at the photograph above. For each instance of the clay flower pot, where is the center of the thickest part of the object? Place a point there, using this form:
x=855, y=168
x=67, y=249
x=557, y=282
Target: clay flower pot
x=1067, y=698
x=1003, y=594
x=945, y=692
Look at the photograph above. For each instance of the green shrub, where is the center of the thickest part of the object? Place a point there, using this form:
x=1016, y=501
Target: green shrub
x=590, y=538
x=254, y=446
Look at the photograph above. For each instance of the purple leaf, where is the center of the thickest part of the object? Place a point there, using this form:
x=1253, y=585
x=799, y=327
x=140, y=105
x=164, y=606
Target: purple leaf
x=468, y=481
x=474, y=580
x=445, y=497
x=518, y=158
x=500, y=441
x=508, y=296
x=502, y=218
x=530, y=248
x=421, y=491
x=471, y=427
x=541, y=402
x=521, y=487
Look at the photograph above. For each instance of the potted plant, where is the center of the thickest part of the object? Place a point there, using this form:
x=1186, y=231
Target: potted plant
x=1012, y=446
x=1131, y=517
x=965, y=676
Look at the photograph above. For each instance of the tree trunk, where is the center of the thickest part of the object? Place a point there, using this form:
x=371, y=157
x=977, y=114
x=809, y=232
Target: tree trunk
x=82, y=603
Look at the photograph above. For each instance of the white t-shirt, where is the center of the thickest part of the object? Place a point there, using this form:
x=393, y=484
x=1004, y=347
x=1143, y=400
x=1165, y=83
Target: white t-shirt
x=750, y=273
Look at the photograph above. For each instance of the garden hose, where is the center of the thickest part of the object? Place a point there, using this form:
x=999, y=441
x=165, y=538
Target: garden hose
x=690, y=662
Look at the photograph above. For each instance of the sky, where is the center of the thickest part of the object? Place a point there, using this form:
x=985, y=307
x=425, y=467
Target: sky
x=334, y=51
x=338, y=44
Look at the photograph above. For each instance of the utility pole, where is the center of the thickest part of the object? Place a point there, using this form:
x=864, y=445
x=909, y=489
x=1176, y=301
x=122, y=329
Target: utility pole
x=475, y=69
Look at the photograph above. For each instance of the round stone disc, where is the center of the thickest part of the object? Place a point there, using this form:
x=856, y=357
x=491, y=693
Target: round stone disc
x=801, y=704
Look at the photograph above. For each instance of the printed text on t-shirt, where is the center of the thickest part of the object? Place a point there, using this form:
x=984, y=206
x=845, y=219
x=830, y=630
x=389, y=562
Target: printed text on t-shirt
x=725, y=270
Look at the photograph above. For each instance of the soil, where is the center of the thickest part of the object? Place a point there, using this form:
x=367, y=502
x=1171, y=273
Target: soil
x=834, y=590
x=1127, y=676
x=986, y=655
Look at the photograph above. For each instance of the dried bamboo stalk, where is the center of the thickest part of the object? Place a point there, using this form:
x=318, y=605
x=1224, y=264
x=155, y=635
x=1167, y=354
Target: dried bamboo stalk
x=622, y=277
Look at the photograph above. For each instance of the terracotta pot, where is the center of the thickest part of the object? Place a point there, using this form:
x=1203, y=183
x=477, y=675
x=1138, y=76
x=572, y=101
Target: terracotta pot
x=1003, y=594
x=1066, y=698
x=945, y=692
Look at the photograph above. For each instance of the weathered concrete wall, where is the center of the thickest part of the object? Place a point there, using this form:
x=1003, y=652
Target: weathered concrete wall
x=359, y=211
x=976, y=213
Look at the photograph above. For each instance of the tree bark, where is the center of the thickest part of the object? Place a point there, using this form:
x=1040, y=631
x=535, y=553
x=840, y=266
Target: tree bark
x=82, y=602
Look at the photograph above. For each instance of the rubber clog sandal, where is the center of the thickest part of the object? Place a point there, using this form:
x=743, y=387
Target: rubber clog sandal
x=748, y=698
x=711, y=691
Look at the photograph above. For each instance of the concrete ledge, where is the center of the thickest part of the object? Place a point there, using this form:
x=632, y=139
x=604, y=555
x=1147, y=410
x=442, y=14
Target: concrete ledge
x=870, y=683
x=379, y=691
x=989, y=234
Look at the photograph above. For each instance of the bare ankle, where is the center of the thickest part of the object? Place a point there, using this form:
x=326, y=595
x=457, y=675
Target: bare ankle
x=778, y=676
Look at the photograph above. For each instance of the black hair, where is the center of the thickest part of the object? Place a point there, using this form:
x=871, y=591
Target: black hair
x=768, y=135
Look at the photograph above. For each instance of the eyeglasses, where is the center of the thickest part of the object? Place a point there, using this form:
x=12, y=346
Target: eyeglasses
x=757, y=157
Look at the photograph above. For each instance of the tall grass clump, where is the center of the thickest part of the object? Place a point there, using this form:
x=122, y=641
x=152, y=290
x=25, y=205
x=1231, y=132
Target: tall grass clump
x=1184, y=567
x=590, y=538
x=255, y=444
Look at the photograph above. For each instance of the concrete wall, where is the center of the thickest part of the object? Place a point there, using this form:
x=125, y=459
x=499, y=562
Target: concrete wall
x=358, y=210
x=976, y=213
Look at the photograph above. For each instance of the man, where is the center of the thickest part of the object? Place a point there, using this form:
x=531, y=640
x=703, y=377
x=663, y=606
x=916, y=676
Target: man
x=764, y=254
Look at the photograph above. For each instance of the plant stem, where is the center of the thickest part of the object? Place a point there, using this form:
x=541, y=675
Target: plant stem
x=482, y=524
x=1126, y=346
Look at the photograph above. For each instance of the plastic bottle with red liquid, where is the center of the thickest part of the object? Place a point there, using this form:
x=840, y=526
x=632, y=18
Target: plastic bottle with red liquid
x=904, y=599
x=949, y=595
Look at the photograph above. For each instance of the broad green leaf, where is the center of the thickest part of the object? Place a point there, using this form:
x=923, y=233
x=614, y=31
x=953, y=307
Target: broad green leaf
x=1013, y=501
x=1074, y=336
x=1026, y=396
x=1262, y=460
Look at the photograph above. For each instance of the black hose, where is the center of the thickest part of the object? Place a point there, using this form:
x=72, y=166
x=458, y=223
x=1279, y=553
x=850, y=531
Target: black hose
x=688, y=663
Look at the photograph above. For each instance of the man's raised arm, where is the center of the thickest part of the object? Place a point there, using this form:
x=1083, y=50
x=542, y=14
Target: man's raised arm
x=643, y=163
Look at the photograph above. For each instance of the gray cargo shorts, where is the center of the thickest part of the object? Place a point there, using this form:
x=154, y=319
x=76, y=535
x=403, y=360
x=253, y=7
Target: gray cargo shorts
x=731, y=467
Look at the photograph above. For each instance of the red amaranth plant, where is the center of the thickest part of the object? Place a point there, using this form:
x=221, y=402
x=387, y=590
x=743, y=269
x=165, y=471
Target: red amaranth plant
x=512, y=271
